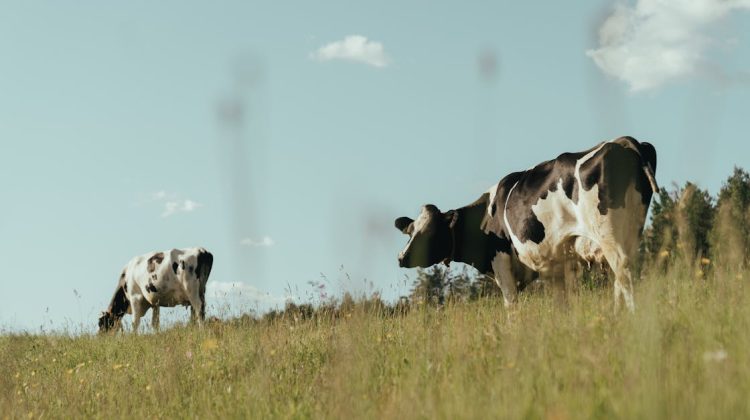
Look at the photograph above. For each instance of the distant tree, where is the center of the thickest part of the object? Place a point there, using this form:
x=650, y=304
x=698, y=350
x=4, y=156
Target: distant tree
x=694, y=217
x=485, y=286
x=730, y=236
x=681, y=219
x=373, y=304
x=298, y=313
x=658, y=240
x=429, y=285
x=439, y=284
x=459, y=286
x=347, y=303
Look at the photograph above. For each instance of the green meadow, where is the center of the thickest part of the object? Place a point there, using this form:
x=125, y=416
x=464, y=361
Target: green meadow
x=682, y=354
x=450, y=350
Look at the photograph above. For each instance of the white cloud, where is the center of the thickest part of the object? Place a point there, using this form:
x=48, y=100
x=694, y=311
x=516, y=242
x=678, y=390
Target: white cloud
x=179, y=206
x=159, y=195
x=266, y=241
x=233, y=291
x=353, y=48
x=169, y=202
x=658, y=41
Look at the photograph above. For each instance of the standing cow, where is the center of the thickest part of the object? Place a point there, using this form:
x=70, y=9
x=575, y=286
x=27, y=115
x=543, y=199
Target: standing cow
x=168, y=278
x=591, y=203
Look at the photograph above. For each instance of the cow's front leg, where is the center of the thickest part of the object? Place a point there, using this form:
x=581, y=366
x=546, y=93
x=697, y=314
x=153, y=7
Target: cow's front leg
x=501, y=265
x=556, y=276
x=155, y=318
x=571, y=271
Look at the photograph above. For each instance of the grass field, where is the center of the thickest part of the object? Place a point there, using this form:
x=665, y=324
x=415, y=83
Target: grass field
x=683, y=354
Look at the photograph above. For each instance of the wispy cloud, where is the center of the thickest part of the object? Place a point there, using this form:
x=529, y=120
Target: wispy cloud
x=170, y=203
x=657, y=41
x=353, y=48
x=159, y=195
x=265, y=241
x=179, y=206
x=241, y=291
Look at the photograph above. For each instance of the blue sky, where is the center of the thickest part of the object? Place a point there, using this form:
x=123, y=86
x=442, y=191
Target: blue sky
x=286, y=137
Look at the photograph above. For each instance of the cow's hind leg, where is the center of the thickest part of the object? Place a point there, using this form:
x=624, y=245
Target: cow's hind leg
x=202, y=296
x=197, y=311
x=623, y=284
x=155, y=318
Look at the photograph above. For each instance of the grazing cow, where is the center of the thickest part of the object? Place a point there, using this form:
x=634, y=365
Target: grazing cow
x=168, y=278
x=533, y=222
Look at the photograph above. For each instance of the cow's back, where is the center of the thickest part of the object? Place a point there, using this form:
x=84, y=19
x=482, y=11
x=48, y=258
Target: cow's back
x=579, y=194
x=153, y=277
x=552, y=181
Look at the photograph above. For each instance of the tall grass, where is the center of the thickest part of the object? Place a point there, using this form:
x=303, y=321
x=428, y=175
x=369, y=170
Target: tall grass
x=683, y=354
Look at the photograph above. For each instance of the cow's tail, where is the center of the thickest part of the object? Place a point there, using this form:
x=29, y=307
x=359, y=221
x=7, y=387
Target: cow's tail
x=648, y=162
x=205, y=262
x=203, y=270
x=651, y=177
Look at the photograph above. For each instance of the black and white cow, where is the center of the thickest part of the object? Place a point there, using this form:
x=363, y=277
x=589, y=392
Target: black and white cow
x=592, y=203
x=168, y=278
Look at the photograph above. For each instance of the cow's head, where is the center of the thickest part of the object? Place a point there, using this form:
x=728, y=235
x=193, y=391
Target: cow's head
x=107, y=322
x=430, y=237
x=118, y=307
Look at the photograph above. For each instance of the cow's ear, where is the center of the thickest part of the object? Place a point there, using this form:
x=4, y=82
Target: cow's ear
x=451, y=217
x=403, y=223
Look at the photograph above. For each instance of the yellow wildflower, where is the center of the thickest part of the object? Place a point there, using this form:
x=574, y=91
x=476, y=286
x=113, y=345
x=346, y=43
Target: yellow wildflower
x=664, y=254
x=705, y=261
x=210, y=344
x=148, y=387
x=117, y=367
